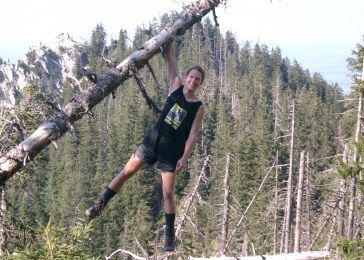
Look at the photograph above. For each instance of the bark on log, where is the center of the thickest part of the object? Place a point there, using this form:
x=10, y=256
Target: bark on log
x=56, y=126
x=291, y=256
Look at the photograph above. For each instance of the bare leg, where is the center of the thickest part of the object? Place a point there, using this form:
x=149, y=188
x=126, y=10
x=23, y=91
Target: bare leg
x=132, y=166
x=168, y=185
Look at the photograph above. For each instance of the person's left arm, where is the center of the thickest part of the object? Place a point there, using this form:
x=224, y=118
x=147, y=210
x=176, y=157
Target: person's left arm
x=192, y=139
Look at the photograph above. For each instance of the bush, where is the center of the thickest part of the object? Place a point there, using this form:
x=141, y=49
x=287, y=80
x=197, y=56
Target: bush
x=351, y=249
x=55, y=242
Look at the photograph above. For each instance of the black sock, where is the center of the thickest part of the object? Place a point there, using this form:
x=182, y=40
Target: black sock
x=170, y=218
x=109, y=193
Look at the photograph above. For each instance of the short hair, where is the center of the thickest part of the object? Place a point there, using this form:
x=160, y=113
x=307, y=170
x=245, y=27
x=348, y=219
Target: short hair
x=199, y=69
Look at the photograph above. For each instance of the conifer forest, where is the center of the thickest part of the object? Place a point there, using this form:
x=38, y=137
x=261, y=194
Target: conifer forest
x=277, y=167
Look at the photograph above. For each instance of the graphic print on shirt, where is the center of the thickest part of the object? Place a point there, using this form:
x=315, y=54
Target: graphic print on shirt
x=175, y=116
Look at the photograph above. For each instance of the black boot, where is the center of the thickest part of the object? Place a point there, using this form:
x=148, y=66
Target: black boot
x=96, y=209
x=99, y=206
x=169, y=243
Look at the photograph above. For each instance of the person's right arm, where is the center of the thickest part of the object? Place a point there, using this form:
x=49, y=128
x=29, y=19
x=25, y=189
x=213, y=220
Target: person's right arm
x=174, y=78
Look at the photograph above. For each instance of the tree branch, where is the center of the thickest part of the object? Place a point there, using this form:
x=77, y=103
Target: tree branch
x=190, y=198
x=125, y=252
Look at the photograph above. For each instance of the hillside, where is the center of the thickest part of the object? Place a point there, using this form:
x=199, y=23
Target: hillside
x=44, y=65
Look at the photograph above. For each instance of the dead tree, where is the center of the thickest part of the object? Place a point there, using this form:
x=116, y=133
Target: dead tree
x=308, y=201
x=297, y=239
x=226, y=202
x=327, y=219
x=275, y=225
x=288, y=217
x=57, y=125
x=340, y=219
x=190, y=198
x=277, y=96
x=356, y=159
x=341, y=209
x=350, y=228
x=223, y=251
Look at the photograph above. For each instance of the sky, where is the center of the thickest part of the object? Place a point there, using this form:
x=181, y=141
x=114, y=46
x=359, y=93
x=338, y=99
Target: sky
x=318, y=34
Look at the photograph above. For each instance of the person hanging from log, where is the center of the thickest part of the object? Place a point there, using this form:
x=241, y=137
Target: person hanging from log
x=168, y=144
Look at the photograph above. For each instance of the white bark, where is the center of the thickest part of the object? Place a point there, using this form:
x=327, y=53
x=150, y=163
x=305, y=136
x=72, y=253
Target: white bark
x=331, y=234
x=308, y=201
x=245, y=249
x=125, y=252
x=226, y=203
x=275, y=225
x=341, y=209
x=277, y=105
x=291, y=256
x=297, y=240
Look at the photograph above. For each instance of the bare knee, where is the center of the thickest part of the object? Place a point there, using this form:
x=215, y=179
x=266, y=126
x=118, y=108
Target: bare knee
x=168, y=193
x=132, y=167
x=168, y=179
x=127, y=172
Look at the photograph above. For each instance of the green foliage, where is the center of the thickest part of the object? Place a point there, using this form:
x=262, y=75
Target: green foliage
x=352, y=169
x=22, y=65
x=121, y=47
x=31, y=56
x=23, y=119
x=361, y=186
x=351, y=249
x=356, y=61
x=96, y=49
x=57, y=242
x=360, y=146
x=348, y=170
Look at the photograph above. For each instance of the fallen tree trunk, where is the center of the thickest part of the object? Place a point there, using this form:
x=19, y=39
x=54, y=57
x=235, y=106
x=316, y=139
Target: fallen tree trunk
x=290, y=256
x=56, y=126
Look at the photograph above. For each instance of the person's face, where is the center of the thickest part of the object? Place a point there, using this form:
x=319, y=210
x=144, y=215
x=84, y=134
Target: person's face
x=193, y=79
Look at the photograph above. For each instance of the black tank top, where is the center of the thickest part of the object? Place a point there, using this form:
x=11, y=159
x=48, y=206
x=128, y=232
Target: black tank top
x=177, y=117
